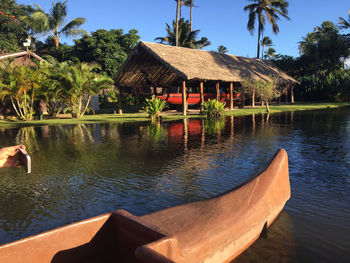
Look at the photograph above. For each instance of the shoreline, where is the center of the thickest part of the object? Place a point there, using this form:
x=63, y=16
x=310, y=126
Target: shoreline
x=170, y=116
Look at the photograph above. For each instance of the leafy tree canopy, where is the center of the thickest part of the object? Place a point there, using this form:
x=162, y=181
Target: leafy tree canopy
x=12, y=32
x=107, y=48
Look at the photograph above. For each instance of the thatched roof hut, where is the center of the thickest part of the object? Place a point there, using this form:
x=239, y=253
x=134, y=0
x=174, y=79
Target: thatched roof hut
x=165, y=66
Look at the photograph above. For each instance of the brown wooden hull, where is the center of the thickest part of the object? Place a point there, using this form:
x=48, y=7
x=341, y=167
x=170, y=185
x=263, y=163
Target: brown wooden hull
x=214, y=230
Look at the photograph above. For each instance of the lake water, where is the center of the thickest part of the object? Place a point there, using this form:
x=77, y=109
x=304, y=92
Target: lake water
x=80, y=171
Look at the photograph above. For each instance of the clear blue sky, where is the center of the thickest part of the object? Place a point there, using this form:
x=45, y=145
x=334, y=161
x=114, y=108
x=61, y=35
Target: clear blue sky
x=223, y=22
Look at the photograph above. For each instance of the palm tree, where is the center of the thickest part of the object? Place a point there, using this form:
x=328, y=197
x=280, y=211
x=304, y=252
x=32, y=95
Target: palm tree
x=222, y=49
x=178, y=7
x=343, y=23
x=266, y=42
x=186, y=37
x=81, y=82
x=20, y=84
x=191, y=5
x=262, y=9
x=270, y=53
x=54, y=22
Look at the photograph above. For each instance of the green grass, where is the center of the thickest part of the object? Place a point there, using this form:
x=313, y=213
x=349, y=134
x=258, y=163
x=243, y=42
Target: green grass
x=137, y=117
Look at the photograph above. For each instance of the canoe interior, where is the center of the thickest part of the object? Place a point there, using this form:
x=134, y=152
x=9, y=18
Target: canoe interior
x=214, y=230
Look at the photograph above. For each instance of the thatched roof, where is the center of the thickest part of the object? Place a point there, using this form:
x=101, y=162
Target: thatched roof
x=164, y=65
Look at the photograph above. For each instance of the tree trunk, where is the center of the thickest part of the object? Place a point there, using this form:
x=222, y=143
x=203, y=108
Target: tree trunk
x=218, y=91
x=184, y=102
x=57, y=41
x=191, y=7
x=177, y=23
x=201, y=87
x=267, y=107
x=259, y=35
x=231, y=95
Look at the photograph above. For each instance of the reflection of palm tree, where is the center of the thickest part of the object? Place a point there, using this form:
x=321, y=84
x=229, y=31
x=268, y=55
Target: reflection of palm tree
x=186, y=37
x=28, y=137
x=265, y=8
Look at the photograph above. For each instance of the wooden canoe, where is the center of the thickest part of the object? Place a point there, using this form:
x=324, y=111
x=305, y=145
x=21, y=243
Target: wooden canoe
x=214, y=230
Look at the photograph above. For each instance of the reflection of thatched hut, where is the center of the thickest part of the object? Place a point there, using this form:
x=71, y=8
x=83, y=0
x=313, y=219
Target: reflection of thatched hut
x=158, y=65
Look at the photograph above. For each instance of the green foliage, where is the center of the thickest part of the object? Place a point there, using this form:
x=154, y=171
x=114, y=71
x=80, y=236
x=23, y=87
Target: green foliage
x=53, y=21
x=153, y=107
x=187, y=38
x=214, y=126
x=324, y=49
x=20, y=85
x=47, y=48
x=222, y=49
x=107, y=48
x=266, y=90
x=213, y=109
x=80, y=82
x=262, y=9
x=12, y=31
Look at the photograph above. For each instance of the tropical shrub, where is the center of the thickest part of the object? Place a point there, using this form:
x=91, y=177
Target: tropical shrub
x=21, y=86
x=213, y=109
x=81, y=83
x=266, y=90
x=153, y=107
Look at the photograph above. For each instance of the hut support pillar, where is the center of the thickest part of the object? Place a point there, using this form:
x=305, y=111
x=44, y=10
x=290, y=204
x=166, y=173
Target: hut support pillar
x=218, y=91
x=138, y=91
x=231, y=95
x=184, y=102
x=287, y=94
x=201, y=87
x=291, y=94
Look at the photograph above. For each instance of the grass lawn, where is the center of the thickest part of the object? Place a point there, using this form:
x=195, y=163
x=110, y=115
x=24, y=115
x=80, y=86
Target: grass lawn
x=135, y=117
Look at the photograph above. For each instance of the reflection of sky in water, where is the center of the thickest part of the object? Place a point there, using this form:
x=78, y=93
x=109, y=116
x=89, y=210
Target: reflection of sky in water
x=81, y=171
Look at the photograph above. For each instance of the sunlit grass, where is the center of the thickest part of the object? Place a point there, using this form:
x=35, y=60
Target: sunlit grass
x=139, y=117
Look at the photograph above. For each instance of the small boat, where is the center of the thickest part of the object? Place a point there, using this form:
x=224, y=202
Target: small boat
x=194, y=98
x=213, y=230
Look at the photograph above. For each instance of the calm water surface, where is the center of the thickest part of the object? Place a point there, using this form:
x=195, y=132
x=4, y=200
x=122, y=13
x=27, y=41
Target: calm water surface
x=80, y=171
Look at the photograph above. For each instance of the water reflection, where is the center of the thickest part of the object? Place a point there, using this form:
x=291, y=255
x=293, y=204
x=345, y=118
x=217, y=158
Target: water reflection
x=84, y=170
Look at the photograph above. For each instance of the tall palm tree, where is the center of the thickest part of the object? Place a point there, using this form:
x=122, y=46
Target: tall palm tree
x=222, y=49
x=262, y=9
x=343, y=23
x=265, y=42
x=186, y=37
x=53, y=21
x=178, y=6
x=190, y=3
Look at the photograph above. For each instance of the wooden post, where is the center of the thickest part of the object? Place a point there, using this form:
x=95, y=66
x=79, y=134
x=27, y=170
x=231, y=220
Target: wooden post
x=253, y=98
x=287, y=94
x=184, y=102
x=120, y=98
x=201, y=87
x=218, y=91
x=291, y=94
x=138, y=89
x=231, y=95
